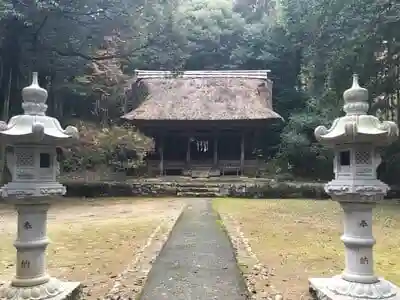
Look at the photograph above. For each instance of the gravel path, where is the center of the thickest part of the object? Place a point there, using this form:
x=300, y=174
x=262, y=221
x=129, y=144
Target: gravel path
x=197, y=262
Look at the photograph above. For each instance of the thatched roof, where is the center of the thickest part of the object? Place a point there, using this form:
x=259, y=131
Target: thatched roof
x=203, y=95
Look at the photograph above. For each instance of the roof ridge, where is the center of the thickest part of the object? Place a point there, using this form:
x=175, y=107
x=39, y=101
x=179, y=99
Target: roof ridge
x=250, y=74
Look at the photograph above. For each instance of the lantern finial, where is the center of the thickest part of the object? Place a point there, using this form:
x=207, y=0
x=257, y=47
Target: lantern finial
x=34, y=98
x=356, y=99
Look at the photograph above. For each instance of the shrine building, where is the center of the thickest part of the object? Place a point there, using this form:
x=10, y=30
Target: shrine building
x=204, y=123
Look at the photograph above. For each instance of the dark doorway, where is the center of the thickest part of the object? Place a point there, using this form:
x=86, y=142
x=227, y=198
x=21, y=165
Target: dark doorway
x=175, y=147
x=229, y=146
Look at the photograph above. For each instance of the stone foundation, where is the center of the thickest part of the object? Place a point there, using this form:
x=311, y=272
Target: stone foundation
x=195, y=188
x=239, y=188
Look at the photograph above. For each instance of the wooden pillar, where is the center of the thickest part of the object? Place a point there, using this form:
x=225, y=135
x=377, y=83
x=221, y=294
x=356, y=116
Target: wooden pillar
x=215, y=149
x=188, y=151
x=161, y=151
x=242, y=153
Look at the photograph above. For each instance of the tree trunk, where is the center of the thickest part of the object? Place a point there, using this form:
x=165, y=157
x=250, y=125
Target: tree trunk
x=5, y=116
x=397, y=94
x=9, y=83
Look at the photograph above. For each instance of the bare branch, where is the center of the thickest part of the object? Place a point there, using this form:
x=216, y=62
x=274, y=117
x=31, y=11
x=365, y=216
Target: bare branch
x=77, y=13
x=41, y=26
x=90, y=13
x=77, y=20
x=75, y=53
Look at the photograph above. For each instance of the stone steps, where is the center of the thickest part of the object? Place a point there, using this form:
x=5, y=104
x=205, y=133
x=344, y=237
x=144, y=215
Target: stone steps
x=198, y=190
x=197, y=195
x=198, y=184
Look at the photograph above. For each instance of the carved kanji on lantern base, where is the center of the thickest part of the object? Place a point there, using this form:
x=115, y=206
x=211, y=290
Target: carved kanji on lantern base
x=32, y=161
x=354, y=139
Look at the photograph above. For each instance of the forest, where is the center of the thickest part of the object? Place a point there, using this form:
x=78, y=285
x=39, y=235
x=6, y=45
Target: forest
x=86, y=52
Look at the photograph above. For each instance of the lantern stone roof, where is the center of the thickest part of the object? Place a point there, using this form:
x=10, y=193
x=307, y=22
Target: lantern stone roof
x=357, y=126
x=201, y=95
x=34, y=125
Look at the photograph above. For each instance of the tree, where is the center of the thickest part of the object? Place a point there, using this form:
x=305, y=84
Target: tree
x=212, y=30
x=335, y=39
x=116, y=147
x=312, y=47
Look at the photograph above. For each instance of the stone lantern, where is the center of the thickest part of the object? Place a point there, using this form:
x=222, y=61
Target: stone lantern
x=33, y=138
x=354, y=139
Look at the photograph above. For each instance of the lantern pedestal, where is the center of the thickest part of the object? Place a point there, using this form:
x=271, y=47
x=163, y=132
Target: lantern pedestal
x=358, y=280
x=31, y=280
x=50, y=290
x=319, y=289
x=354, y=139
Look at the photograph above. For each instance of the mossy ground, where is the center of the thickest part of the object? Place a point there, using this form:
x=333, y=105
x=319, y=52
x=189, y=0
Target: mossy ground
x=298, y=239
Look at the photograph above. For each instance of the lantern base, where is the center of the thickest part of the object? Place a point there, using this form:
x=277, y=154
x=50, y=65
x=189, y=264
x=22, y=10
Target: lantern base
x=336, y=288
x=54, y=289
x=37, y=189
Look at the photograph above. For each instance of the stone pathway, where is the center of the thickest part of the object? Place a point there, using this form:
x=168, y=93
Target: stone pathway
x=197, y=262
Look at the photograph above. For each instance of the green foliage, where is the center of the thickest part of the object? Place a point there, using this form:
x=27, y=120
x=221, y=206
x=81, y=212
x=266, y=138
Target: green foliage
x=390, y=168
x=120, y=148
x=213, y=31
x=333, y=39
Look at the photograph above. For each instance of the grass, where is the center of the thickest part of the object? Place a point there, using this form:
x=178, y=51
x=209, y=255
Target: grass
x=92, y=241
x=298, y=239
